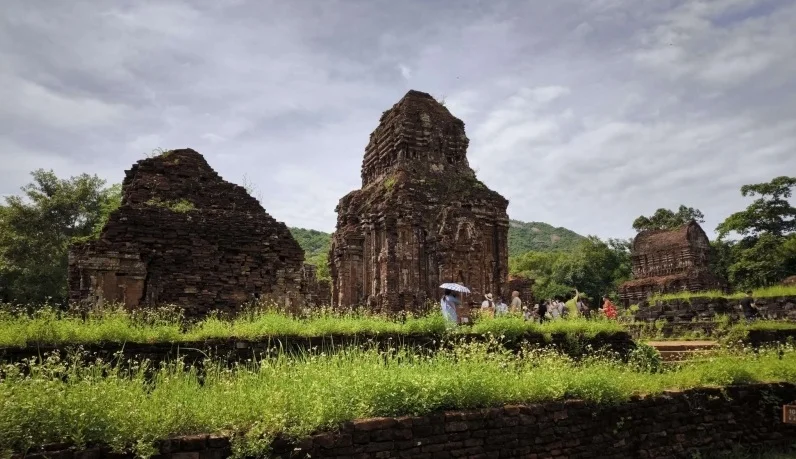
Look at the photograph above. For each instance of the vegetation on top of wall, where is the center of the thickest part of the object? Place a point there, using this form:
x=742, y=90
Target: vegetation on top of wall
x=119, y=326
x=180, y=206
x=122, y=406
x=765, y=292
x=665, y=219
x=389, y=182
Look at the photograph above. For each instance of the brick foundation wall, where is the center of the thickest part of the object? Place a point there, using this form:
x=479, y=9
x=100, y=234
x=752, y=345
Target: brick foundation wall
x=672, y=425
x=709, y=308
x=232, y=350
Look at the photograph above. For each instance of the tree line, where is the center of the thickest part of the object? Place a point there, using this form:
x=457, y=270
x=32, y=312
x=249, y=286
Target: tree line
x=755, y=246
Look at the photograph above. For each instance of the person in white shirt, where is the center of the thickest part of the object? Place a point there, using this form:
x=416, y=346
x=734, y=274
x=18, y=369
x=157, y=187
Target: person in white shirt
x=488, y=302
x=516, y=302
x=448, y=305
x=488, y=306
x=554, y=310
x=501, y=309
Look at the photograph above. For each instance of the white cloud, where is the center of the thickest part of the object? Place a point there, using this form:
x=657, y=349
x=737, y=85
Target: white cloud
x=406, y=72
x=608, y=110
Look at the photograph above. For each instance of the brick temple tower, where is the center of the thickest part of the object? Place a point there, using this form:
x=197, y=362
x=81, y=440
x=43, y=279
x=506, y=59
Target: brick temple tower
x=421, y=217
x=668, y=261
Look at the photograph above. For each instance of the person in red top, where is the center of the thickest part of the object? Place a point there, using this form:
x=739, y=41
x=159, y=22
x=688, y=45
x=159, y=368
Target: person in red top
x=608, y=308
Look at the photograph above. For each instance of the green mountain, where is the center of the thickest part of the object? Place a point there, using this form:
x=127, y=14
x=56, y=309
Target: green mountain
x=539, y=237
x=523, y=237
x=316, y=248
x=312, y=241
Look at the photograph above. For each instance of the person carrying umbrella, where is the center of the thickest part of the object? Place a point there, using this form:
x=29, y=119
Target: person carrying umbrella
x=448, y=304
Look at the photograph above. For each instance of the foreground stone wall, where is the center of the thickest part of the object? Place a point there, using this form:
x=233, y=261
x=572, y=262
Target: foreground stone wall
x=673, y=425
x=703, y=330
x=421, y=218
x=185, y=236
x=235, y=350
x=709, y=308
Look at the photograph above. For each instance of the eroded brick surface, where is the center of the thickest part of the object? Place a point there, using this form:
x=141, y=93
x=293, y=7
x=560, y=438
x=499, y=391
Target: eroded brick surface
x=185, y=236
x=669, y=261
x=421, y=217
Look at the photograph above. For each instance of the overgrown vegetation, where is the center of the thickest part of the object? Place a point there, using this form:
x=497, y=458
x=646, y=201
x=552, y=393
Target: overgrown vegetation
x=47, y=326
x=180, y=206
x=765, y=292
x=57, y=402
x=665, y=219
x=316, y=246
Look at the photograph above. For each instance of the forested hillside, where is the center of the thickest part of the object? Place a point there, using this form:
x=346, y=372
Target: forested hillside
x=539, y=237
x=523, y=237
x=316, y=248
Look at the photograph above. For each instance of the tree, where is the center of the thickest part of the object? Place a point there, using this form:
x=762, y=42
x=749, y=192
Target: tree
x=721, y=259
x=771, y=213
x=766, y=250
x=593, y=267
x=665, y=219
x=37, y=228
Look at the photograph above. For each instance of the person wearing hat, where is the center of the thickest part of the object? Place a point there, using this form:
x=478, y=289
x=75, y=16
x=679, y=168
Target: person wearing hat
x=488, y=305
x=527, y=314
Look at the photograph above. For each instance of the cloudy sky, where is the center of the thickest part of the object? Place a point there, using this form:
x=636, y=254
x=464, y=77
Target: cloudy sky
x=585, y=114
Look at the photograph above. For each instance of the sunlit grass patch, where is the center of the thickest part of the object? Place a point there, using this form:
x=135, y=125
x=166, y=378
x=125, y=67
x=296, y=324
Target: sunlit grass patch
x=118, y=326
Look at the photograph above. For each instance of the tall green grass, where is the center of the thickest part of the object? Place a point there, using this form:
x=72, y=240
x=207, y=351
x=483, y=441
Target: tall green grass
x=765, y=292
x=48, y=327
x=57, y=402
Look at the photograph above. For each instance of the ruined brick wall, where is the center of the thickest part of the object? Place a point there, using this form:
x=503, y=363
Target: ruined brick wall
x=668, y=261
x=317, y=292
x=685, y=311
x=672, y=425
x=421, y=217
x=185, y=236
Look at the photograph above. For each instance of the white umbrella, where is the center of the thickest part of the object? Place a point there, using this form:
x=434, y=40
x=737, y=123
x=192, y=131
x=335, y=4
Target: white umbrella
x=455, y=287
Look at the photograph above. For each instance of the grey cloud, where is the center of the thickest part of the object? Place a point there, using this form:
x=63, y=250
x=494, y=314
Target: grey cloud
x=658, y=102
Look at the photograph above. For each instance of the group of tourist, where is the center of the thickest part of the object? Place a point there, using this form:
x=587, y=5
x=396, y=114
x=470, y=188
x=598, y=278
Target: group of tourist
x=551, y=309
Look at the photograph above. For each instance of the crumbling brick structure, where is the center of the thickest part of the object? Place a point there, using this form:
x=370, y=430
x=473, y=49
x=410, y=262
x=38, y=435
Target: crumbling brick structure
x=185, y=236
x=317, y=292
x=421, y=217
x=668, y=261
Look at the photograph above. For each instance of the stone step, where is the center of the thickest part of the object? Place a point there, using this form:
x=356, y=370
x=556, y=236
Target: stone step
x=672, y=351
x=664, y=346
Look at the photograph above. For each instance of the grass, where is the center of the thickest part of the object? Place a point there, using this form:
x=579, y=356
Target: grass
x=742, y=453
x=48, y=327
x=765, y=292
x=58, y=402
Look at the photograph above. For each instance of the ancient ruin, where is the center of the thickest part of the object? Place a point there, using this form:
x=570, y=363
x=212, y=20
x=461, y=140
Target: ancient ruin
x=317, y=292
x=421, y=217
x=185, y=236
x=668, y=261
